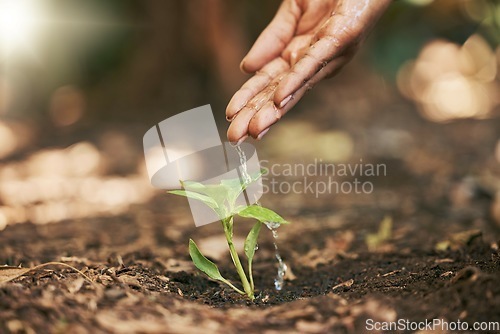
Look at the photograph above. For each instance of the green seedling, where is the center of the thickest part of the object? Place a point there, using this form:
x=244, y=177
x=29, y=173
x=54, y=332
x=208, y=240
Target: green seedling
x=383, y=235
x=222, y=199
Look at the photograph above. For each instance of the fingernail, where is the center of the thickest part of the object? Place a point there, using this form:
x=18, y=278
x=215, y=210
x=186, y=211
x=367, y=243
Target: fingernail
x=241, y=140
x=262, y=134
x=230, y=119
x=242, y=66
x=285, y=101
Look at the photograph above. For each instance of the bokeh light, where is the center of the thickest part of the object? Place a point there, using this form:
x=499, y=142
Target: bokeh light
x=67, y=105
x=330, y=145
x=8, y=140
x=56, y=184
x=449, y=81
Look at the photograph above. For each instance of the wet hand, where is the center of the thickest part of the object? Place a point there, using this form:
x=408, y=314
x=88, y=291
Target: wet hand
x=306, y=42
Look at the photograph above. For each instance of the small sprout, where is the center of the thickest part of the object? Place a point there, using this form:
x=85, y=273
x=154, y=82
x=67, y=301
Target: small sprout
x=222, y=199
x=384, y=234
x=459, y=240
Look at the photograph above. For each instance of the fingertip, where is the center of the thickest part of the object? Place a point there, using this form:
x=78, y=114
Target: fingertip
x=248, y=66
x=232, y=136
x=266, y=117
x=262, y=134
x=239, y=127
x=286, y=90
x=285, y=101
x=281, y=99
x=236, y=138
x=243, y=66
x=239, y=141
x=237, y=102
x=251, y=64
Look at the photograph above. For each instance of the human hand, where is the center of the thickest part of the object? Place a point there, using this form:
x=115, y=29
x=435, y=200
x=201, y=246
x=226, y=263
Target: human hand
x=306, y=42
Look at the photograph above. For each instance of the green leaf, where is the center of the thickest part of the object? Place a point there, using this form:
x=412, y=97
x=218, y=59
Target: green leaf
x=261, y=214
x=234, y=188
x=204, y=264
x=194, y=195
x=217, y=192
x=193, y=185
x=232, y=184
x=251, y=241
x=239, y=184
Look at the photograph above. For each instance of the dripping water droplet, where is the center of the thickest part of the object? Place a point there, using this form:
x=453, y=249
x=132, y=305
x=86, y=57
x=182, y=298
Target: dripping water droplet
x=282, y=267
x=273, y=226
x=243, y=163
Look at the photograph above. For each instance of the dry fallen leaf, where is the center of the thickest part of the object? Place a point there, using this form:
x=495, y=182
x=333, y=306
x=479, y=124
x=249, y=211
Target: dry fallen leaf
x=346, y=284
x=76, y=285
x=8, y=273
x=130, y=281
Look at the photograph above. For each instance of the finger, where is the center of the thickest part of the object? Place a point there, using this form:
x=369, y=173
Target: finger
x=296, y=48
x=331, y=69
x=273, y=40
x=254, y=85
x=238, y=129
x=270, y=114
x=316, y=57
x=298, y=55
x=315, y=15
x=343, y=30
x=338, y=33
x=239, y=126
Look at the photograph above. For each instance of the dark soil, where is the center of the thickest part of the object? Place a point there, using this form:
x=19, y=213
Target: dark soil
x=441, y=188
x=145, y=283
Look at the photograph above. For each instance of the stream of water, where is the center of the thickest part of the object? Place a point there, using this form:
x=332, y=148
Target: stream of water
x=273, y=226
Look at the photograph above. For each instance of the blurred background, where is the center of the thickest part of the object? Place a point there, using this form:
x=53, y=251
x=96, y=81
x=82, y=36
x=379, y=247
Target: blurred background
x=81, y=81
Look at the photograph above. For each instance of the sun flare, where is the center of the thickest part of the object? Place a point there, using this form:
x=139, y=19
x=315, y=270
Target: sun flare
x=18, y=20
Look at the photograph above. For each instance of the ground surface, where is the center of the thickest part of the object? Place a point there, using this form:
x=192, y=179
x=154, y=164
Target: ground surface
x=440, y=188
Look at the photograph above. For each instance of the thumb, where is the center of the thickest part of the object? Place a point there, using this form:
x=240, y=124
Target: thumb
x=274, y=39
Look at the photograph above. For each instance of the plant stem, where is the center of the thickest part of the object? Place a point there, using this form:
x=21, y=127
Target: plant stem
x=250, y=274
x=228, y=231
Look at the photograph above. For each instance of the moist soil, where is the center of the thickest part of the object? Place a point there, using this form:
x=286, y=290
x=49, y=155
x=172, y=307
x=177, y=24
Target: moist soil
x=144, y=281
x=438, y=260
